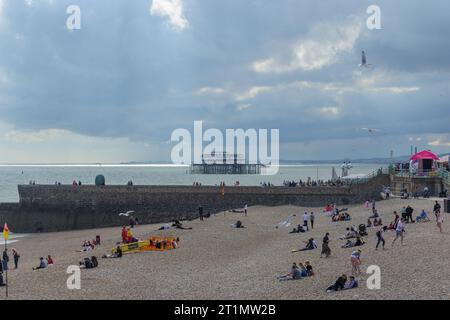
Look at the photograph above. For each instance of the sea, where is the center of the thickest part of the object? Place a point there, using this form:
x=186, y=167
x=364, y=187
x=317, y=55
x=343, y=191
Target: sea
x=154, y=174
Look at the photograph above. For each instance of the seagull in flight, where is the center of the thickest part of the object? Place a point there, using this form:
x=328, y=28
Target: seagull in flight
x=371, y=130
x=126, y=214
x=364, y=61
x=285, y=223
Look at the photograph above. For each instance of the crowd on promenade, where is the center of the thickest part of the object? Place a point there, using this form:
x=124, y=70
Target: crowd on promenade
x=317, y=183
x=266, y=184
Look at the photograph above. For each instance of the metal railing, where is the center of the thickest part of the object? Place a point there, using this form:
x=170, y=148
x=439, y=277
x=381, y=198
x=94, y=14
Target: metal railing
x=444, y=174
x=370, y=176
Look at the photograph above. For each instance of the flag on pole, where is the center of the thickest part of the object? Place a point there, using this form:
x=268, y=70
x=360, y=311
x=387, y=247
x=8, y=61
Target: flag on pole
x=5, y=231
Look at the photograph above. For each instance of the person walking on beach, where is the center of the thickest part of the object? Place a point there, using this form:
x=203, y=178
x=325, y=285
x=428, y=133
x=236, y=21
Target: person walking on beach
x=325, y=246
x=245, y=210
x=399, y=230
x=409, y=212
x=200, y=212
x=437, y=208
x=311, y=219
x=439, y=221
x=355, y=260
x=380, y=237
x=305, y=220
x=16, y=257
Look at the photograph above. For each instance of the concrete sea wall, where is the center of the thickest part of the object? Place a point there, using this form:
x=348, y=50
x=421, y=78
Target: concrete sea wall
x=54, y=208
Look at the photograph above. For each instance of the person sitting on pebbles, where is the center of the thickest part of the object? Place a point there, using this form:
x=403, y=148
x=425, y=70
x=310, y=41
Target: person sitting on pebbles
x=130, y=236
x=42, y=264
x=294, y=274
x=349, y=244
x=351, y=234
x=338, y=285
x=352, y=284
x=310, y=245
x=238, y=224
x=309, y=269
x=177, y=224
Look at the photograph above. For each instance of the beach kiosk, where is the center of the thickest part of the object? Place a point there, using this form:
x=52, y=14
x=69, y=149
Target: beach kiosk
x=423, y=163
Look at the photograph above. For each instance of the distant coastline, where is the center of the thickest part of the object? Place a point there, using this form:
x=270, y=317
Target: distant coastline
x=170, y=164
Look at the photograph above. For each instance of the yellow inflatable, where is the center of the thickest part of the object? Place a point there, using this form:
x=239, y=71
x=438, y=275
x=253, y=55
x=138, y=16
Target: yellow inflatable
x=152, y=244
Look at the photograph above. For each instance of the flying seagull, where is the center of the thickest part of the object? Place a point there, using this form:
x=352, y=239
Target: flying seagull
x=285, y=223
x=126, y=214
x=371, y=130
x=364, y=61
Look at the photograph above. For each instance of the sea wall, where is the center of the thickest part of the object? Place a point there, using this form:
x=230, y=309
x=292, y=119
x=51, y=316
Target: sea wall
x=416, y=184
x=53, y=208
x=447, y=185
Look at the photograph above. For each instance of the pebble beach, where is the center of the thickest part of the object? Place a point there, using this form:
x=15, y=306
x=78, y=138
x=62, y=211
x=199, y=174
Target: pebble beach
x=216, y=261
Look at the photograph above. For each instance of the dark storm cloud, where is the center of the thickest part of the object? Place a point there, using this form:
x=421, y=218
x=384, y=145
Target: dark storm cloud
x=127, y=73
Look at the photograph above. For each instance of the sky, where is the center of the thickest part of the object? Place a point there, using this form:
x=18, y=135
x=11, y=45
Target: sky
x=115, y=89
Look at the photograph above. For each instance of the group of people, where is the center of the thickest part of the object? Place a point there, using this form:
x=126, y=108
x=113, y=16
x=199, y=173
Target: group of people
x=317, y=183
x=88, y=245
x=44, y=263
x=342, y=284
x=376, y=222
x=127, y=235
x=89, y=263
x=298, y=271
x=308, y=222
x=353, y=233
x=341, y=216
x=267, y=184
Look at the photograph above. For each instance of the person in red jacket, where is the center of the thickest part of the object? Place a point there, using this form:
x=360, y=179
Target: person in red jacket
x=124, y=235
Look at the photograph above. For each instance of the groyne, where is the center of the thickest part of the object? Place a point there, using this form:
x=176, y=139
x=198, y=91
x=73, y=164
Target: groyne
x=45, y=208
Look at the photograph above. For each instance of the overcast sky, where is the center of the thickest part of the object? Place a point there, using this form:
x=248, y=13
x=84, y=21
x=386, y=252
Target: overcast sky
x=115, y=90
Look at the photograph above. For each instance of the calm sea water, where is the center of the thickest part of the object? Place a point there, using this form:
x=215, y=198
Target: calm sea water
x=12, y=175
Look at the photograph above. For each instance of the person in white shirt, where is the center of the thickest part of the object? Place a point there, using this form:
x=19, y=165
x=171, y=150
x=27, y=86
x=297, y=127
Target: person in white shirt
x=305, y=219
x=439, y=220
x=399, y=231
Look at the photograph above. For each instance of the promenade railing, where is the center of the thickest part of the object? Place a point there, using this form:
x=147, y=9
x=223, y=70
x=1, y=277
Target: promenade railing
x=370, y=176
